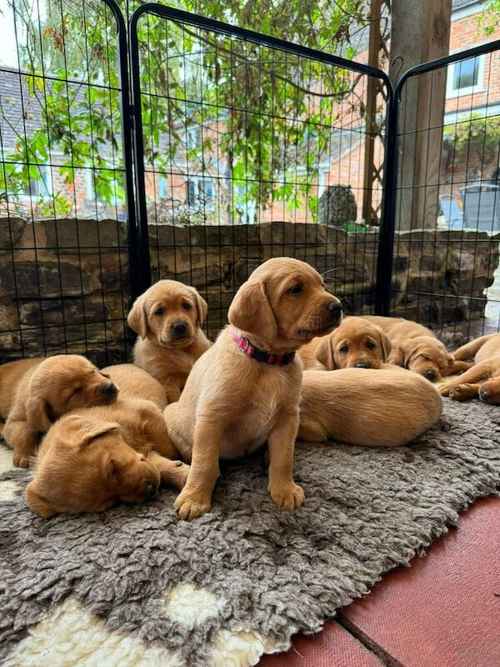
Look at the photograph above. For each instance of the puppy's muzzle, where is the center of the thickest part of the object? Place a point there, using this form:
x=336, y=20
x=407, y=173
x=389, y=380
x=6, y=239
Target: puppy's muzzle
x=109, y=391
x=484, y=395
x=179, y=330
x=334, y=309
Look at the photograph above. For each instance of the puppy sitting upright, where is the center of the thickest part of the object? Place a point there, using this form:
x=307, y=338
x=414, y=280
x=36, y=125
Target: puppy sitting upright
x=245, y=390
x=168, y=319
x=43, y=390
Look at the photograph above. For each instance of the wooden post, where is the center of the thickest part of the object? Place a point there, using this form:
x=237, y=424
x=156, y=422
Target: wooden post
x=420, y=31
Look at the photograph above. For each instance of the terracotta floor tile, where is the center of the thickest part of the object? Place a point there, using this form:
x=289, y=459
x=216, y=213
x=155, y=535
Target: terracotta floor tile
x=444, y=611
x=334, y=647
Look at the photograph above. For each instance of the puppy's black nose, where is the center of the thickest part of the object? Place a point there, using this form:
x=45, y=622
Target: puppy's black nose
x=430, y=375
x=362, y=364
x=150, y=490
x=109, y=390
x=179, y=329
x=335, y=310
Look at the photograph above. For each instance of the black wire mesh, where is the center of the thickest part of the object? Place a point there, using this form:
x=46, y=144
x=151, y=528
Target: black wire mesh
x=252, y=151
x=445, y=272
x=63, y=210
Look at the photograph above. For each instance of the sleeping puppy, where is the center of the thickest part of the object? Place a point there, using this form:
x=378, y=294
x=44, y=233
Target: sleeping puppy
x=416, y=348
x=482, y=380
x=88, y=461
x=244, y=391
x=43, y=390
x=134, y=382
x=168, y=319
x=355, y=343
x=373, y=408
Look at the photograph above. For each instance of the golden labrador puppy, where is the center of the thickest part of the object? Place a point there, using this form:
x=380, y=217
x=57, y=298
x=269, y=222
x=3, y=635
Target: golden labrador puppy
x=168, y=319
x=47, y=389
x=87, y=462
x=245, y=390
x=355, y=343
x=483, y=378
x=416, y=348
x=374, y=408
x=134, y=382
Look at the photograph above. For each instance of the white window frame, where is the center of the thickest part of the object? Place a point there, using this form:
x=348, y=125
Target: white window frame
x=469, y=90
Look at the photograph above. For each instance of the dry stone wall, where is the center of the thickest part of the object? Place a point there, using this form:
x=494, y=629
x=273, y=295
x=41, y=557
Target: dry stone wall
x=63, y=283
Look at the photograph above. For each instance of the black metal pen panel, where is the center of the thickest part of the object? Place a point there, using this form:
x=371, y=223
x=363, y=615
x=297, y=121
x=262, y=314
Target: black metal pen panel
x=67, y=214
x=444, y=194
x=249, y=147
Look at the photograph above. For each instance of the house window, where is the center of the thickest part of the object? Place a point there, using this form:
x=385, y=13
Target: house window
x=466, y=77
x=200, y=191
x=162, y=186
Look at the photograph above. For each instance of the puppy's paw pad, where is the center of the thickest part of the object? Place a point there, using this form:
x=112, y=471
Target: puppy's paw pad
x=191, y=507
x=289, y=497
x=21, y=461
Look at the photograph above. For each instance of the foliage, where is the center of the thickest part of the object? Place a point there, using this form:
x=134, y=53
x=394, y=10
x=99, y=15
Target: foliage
x=489, y=18
x=261, y=119
x=476, y=136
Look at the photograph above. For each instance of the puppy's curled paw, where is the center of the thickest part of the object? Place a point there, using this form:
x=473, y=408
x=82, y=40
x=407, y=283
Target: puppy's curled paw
x=288, y=496
x=21, y=461
x=191, y=505
x=464, y=392
x=444, y=389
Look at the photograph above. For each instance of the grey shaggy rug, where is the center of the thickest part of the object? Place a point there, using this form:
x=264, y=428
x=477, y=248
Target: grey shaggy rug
x=265, y=572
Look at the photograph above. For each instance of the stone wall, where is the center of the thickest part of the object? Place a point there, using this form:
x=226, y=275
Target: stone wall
x=63, y=284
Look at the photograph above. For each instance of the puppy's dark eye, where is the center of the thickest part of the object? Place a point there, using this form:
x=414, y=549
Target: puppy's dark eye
x=159, y=311
x=344, y=349
x=296, y=289
x=77, y=390
x=371, y=345
x=187, y=306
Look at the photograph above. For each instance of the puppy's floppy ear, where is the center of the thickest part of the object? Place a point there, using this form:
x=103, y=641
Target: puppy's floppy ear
x=137, y=318
x=251, y=311
x=201, y=306
x=324, y=353
x=37, y=414
x=385, y=344
x=37, y=503
x=91, y=431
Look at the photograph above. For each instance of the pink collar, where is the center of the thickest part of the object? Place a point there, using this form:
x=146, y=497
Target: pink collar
x=261, y=355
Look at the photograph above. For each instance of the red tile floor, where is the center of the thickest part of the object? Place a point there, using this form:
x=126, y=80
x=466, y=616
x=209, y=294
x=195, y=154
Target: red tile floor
x=443, y=611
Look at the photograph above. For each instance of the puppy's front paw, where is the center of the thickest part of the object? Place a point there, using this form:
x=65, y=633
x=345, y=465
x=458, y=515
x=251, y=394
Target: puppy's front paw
x=288, y=496
x=191, y=505
x=444, y=389
x=21, y=461
x=464, y=392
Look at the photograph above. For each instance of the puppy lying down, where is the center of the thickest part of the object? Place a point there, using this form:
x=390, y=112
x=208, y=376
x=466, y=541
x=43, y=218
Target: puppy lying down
x=34, y=393
x=95, y=457
x=375, y=408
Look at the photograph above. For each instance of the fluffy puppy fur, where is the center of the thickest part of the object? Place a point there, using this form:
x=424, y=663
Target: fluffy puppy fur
x=232, y=404
x=134, y=382
x=373, y=408
x=46, y=390
x=168, y=319
x=355, y=343
x=96, y=457
x=482, y=380
x=416, y=348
